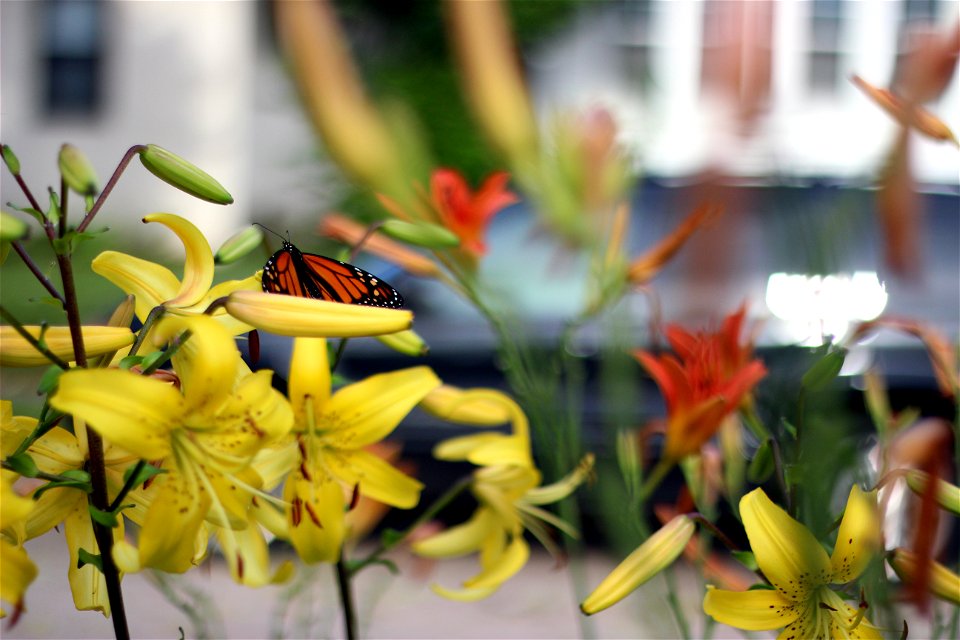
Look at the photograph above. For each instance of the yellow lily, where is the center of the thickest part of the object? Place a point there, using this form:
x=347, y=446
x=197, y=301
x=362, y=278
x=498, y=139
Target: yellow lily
x=328, y=456
x=506, y=486
x=154, y=285
x=18, y=569
x=801, y=602
x=204, y=436
x=15, y=351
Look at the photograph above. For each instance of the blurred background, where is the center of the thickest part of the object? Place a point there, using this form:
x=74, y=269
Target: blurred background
x=749, y=103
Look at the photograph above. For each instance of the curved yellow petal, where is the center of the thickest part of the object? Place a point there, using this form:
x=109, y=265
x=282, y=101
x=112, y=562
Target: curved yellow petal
x=377, y=478
x=367, y=411
x=209, y=373
x=548, y=494
x=245, y=551
x=785, y=550
x=14, y=508
x=15, y=351
x=198, y=262
x=461, y=447
x=503, y=567
x=315, y=517
x=943, y=583
x=52, y=508
x=480, y=407
x=132, y=411
x=858, y=538
x=168, y=535
x=149, y=283
x=57, y=451
x=459, y=540
x=757, y=610
x=13, y=429
x=463, y=595
x=511, y=450
x=650, y=558
x=309, y=379
x=222, y=290
x=294, y=316
x=254, y=416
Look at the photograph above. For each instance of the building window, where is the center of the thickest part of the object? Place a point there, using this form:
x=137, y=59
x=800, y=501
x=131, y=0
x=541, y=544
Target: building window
x=72, y=56
x=826, y=27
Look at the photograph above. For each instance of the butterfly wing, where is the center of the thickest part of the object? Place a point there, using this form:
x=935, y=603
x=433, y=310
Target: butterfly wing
x=342, y=282
x=292, y=272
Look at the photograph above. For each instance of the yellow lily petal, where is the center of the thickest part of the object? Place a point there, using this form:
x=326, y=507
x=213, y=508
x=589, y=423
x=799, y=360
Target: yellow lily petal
x=18, y=572
x=209, y=376
x=785, y=550
x=151, y=284
x=506, y=450
x=369, y=410
x=459, y=448
x=858, y=538
x=315, y=517
x=15, y=351
x=650, y=558
x=255, y=415
x=293, y=316
x=86, y=583
x=459, y=540
x=480, y=407
x=309, y=379
x=13, y=429
x=564, y=487
x=198, y=265
x=222, y=290
x=406, y=342
x=51, y=509
x=758, y=610
x=506, y=565
x=168, y=535
x=130, y=410
x=377, y=478
x=231, y=501
x=246, y=553
x=463, y=595
x=57, y=451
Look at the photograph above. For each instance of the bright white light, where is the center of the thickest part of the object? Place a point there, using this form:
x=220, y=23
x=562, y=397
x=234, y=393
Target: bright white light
x=813, y=307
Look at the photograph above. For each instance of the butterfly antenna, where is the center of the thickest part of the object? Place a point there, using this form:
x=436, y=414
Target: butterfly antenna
x=266, y=228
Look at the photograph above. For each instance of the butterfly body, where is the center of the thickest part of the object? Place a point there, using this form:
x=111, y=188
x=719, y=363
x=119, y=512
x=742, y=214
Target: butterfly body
x=308, y=275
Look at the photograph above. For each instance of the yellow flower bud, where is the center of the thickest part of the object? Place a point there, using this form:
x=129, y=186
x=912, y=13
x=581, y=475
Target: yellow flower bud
x=943, y=583
x=650, y=558
x=15, y=351
x=406, y=342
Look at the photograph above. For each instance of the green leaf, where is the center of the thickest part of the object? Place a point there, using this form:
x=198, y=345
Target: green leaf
x=153, y=360
x=48, y=381
x=78, y=479
x=69, y=242
x=390, y=537
x=762, y=465
x=746, y=558
x=789, y=428
x=144, y=473
x=23, y=464
x=84, y=557
x=128, y=362
x=37, y=215
x=53, y=211
x=106, y=518
x=761, y=586
x=824, y=370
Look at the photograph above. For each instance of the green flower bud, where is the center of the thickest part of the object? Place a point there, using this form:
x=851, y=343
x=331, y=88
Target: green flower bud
x=238, y=245
x=421, y=234
x=77, y=171
x=947, y=495
x=186, y=177
x=11, y=227
x=11, y=160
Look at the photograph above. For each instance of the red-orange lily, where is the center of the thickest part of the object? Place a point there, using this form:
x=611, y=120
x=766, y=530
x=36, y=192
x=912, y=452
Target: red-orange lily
x=468, y=214
x=708, y=376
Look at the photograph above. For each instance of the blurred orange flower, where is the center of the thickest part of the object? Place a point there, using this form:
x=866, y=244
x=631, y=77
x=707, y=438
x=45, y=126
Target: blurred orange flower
x=708, y=376
x=468, y=214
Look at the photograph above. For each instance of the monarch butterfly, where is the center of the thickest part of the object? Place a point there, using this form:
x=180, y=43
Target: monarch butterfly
x=290, y=271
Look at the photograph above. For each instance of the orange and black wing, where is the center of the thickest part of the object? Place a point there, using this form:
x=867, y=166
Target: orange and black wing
x=309, y=275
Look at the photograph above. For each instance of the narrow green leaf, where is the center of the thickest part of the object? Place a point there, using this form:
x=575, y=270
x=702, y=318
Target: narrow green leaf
x=152, y=360
x=128, y=362
x=824, y=370
x=106, y=518
x=146, y=472
x=746, y=558
x=762, y=465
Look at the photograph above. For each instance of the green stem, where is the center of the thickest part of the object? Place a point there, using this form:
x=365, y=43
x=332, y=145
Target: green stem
x=96, y=464
x=346, y=599
x=111, y=183
x=127, y=486
x=155, y=314
x=42, y=475
x=675, y=605
x=35, y=270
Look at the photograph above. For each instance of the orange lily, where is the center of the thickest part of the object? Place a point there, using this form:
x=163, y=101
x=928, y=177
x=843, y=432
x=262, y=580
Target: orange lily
x=708, y=378
x=468, y=214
